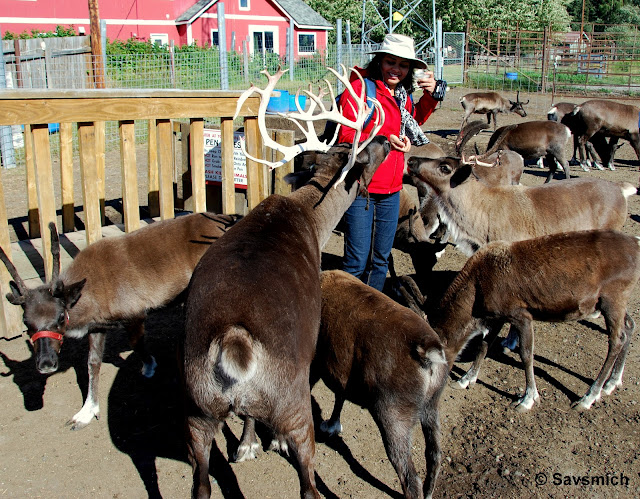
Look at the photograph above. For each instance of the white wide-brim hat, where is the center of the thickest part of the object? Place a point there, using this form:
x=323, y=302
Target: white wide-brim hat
x=400, y=46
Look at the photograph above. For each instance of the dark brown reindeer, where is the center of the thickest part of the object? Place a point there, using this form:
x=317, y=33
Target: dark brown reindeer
x=535, y=140
x=382, y=356
x=476, y=213
x=490, y=103
x=517, y=283
x=254, y=302
x=611, y=119
x=116, y=279
x=597, y=147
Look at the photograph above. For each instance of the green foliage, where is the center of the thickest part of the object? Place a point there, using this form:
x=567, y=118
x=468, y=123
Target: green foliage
x=60, y=31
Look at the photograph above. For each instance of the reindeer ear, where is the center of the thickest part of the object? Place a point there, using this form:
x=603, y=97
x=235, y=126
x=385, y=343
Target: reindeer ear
x=460, y=175
x=69, y=294
x=15, y=297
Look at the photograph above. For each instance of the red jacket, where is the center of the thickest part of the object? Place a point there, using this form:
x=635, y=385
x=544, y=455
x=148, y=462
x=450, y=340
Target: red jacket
x=388, y=176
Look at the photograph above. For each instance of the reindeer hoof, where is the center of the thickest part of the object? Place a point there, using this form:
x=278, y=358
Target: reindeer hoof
x=246, y=452
x=279, y=444
x=462, y=384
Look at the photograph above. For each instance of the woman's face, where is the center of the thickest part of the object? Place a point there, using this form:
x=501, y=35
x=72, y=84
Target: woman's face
x=394, y=70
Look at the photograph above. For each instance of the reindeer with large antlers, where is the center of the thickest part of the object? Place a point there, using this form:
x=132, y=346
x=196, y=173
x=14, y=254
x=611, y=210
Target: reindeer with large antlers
x=116, y=279
x=253, y=309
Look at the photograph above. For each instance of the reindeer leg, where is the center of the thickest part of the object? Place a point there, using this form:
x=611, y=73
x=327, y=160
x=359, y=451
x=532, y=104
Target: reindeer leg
x=332, y=426
x=91, y=407
x=249, y=446
x=396, y=429
x=430, y=420
x=470, y=377
x=135, y=330
x=524, y=326
x=615, y=379
x=200, y=434
x=617, y=328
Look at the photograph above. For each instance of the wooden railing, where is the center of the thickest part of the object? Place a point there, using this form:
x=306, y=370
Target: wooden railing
x=90, y=109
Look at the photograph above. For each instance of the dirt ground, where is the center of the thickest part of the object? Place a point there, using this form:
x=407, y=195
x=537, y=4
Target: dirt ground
x=489, y=449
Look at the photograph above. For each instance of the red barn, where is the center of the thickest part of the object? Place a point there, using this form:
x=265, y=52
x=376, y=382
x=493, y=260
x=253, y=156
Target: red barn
x=263, y=23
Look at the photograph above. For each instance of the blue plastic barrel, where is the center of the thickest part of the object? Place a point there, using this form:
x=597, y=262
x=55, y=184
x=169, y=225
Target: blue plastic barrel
x=511, y=76
x=278, y=102
x=302, y=100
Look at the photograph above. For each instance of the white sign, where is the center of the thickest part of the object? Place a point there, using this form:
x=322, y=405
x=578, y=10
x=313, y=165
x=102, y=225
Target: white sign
x=213, y=158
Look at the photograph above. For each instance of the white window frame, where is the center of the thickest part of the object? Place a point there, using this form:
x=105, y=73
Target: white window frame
x=248, y=7
x=255, y=28
x=315, y=43
x=161, y=39
x=211, y=38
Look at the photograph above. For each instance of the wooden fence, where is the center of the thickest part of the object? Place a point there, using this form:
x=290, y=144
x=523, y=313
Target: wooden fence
x=90, y=109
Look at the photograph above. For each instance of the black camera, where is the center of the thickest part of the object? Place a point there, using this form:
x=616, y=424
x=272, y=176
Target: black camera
x=440, y=90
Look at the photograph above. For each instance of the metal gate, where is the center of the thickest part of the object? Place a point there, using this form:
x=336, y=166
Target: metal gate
x=453, y=57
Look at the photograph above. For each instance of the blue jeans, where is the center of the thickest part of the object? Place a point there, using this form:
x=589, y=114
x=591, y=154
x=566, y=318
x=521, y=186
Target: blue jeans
x=368, y=237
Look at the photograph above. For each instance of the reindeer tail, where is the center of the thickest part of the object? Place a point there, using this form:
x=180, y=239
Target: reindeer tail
x=238, y=357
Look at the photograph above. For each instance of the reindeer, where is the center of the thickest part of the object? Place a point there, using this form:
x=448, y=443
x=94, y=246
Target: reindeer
x=611, y=119
x=254, y=302
x=597, y=146
x=476, y=214
x=518, y=283
x=382, y=356
x=113, y=280
x=490, y=103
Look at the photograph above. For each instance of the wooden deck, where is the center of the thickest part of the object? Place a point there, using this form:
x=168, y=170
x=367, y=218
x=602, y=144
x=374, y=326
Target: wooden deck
x=27, y=254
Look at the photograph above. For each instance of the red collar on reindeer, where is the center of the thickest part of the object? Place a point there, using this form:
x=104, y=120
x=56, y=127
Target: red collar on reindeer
x=51, y=334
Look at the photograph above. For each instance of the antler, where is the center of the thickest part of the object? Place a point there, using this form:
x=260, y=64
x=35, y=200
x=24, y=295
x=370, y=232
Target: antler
x=13, y=271
x=313, y=143
x=55, y=252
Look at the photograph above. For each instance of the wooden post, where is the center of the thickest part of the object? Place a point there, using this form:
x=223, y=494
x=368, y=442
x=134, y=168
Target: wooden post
x=153, y=197
x=101, y=165
x=10, y=315
x=131, y=212
x=66, y=177
x=286, y=138
x=89, y=174
x=96, y=44
x=44, y=182
x=253, y=145
x=228, y=181
x=198, y=190
x=33, y=214
x=165, y=170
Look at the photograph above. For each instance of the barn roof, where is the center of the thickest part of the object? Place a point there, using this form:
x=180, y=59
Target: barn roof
x=302, y=15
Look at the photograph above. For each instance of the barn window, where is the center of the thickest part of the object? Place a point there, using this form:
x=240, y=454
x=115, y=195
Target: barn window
x=306, y=43
x=215, y=41
x=244, y=5
x=161, y=39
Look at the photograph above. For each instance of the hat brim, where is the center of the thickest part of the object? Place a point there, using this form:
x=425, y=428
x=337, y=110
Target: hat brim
x=418, y=62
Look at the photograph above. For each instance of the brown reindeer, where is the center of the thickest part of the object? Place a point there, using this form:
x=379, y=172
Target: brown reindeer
x=254, y=304
x=611, y=119
x=380, y=355
x=490, y=103
x=476, y=213
x=116, y=279
x=518, y=283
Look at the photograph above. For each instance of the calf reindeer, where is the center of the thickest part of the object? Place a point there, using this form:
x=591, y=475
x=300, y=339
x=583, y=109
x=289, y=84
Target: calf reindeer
x=518, y=283
x=116, y=279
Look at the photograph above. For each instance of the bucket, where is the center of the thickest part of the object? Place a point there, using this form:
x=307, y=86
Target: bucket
x=511, y=76
x=302, y=100
x=278, y=102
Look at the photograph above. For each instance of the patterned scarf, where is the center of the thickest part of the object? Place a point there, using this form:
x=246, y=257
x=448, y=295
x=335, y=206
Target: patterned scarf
x=409, y=125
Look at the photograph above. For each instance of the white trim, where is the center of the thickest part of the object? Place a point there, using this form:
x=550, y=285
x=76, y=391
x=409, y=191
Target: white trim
x=315, y=42
x=246, y=17
x=56, y=20
x=257, y=28
x=164, y=37
x=248, y=7
x=189, y=34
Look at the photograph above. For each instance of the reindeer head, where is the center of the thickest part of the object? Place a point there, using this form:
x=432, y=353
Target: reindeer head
x=441, y=174
x=45, y=308
x=516, y=107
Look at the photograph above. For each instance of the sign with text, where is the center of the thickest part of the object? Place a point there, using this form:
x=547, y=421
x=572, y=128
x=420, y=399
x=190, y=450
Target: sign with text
x=213, y=158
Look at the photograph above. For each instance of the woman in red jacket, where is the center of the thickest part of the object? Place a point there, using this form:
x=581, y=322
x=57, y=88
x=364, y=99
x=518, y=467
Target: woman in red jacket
x=371, y=221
